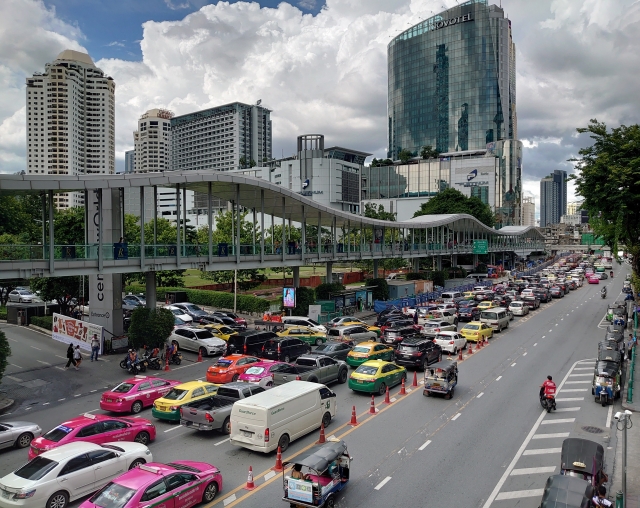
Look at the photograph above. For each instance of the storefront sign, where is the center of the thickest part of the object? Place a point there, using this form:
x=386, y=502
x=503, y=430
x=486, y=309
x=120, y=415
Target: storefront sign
x=310, y=193
x=453, y=21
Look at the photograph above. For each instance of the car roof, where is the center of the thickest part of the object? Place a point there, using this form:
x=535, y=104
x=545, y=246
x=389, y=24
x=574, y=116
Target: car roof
x=85, y=419
x=375, y=363
x=69, y=450
x=140, y=477
x=447, y=332
x=368, y=343
x=474, y=323
x=189, y=385
x=411, y=341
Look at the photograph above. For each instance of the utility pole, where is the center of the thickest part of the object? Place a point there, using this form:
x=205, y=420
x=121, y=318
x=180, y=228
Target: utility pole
x=623, y=422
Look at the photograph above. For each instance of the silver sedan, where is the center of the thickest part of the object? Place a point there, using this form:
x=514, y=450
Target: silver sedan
x=18, y=434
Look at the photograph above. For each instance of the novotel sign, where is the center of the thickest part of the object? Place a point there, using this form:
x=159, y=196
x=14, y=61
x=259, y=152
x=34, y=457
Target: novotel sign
x=453, y=21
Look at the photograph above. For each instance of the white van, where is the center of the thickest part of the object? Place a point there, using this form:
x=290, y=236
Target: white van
x=278, y=416
x=497, y=318
x=289, y=321
x=450, y=296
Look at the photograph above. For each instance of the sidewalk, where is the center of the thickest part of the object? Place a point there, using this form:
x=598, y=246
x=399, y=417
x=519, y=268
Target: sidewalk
x=633, y=448
x=5, y=403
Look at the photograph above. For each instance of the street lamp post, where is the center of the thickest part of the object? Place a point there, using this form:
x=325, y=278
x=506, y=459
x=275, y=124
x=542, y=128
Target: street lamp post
x=623, y=423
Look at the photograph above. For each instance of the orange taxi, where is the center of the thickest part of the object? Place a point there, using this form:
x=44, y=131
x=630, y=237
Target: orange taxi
x=228, y=368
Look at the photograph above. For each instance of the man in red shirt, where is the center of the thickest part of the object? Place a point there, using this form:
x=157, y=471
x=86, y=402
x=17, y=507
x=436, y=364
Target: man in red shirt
x=548, y=389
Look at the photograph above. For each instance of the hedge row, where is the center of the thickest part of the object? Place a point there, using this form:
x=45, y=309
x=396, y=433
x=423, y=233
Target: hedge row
x=217, y=299
x=3, y=313
x=42, y=321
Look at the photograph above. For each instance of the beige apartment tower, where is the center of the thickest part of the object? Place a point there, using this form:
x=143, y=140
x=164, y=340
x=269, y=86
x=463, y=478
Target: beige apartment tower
x=70, y=121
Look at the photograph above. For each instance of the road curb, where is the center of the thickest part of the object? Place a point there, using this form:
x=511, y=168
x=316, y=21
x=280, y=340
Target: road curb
x=5, y=404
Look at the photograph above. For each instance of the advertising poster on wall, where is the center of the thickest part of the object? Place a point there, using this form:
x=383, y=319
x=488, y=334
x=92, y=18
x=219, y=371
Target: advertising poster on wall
x=74, y=331
x=289, y=298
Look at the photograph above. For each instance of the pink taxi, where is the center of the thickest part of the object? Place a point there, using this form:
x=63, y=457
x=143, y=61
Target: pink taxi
x=261, y=373
x=135, y=394
x=97, y=429
x=179, y=484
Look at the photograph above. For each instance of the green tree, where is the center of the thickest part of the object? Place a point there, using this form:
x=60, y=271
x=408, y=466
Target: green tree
x=427, y=152
x=5, y=353
x=247, y=279
x=166, y=232
x=608, y=178
x=378, y=212
x=453, y=201
x=132, y=228
x=304, y=297
x=405, y=155
x=381, y=289
x=324, y=290
x=69, y=226
x=225, y=223
x=381, y=162
x=150, y=326
x=61, y=289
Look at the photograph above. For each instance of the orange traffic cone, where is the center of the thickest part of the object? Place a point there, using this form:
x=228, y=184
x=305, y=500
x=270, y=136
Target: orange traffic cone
x=386, y=397
x=372, y=408
x=486, y=341
x=415, y=379
x=199, y=355
x=478, y=345
x=402, y=389
x=354, y=420
x=460, y=354
x=166, y=365
x=322, y=439
x=278, y=467
x=250, y=485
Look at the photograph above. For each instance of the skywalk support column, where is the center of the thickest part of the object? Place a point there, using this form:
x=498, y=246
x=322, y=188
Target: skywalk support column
x=296, y=276
x=375, y=268
x=105, y=290
x=150, y=289
x=329, y=278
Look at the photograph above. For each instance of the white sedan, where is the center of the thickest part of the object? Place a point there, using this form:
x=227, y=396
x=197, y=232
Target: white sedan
x=179, y=313
x=519, y=308
x=451, y=342
x=69, y=472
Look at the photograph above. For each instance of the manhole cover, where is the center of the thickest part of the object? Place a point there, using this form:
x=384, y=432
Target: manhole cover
x=592, y=430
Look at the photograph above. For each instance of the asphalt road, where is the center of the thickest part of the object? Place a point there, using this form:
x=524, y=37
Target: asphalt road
x=479, y=449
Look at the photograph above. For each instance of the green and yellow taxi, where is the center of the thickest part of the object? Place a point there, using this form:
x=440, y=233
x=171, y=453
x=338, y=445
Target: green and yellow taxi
x=305, y=334
x=220, y=331
x=366, y=351
x=370, y=328
x=374, y=376
x=469, y=295
x=475, y=331
x=168, y=407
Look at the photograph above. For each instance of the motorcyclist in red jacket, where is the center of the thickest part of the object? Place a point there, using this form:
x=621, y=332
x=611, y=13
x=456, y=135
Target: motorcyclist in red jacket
x=548, y=390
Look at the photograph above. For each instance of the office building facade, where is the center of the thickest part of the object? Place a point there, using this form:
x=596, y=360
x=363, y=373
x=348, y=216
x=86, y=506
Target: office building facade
x=151, y=141
x=130, y=161
x=553, y=198
x=452, y=86
x=70, y=121
x=528, y=211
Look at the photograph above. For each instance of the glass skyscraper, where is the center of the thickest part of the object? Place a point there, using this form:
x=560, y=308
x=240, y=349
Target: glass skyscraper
x=452, y=85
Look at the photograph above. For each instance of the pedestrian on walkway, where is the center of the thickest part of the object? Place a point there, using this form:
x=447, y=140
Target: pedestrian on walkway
x=95, y=346
x=70, y=359
x=77, y=356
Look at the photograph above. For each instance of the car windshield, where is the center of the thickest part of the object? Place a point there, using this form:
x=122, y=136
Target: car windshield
x=204, y=334
x=57, y=434
x=334, y=332
x=471, y=327
x=122, y=388
x=367, y=370
x=176, y=394
x=223, y=363
x=226, y=330
x=193, y=308
x=36, y=468
x=324, y=347
x=255, y=370
x=360, y=349
x=407, y=349
x=113, y=496
x=313, y=322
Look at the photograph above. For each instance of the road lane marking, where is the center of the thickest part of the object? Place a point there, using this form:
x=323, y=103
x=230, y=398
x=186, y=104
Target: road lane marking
x=513, y=364
x=60, y=400
x=60, y=368
x=46, y=403
x=456, y=417
x=479, y=395
x=550, y=331
x=517, y=494
x=172, y=429
x=36, y=348
x=533, y=470
x=92, y=391
x=40, y=361
x=610, y=412
x=16, y=379
x=550, y=436
x=229, y=499
x=268, y=476
x=583, y=382
x=561, y=420
x=427, y=444
x=498, y=378
x=496, y=491
x=524, y=354
x=535, y=344
x=93, y=410
x=14, y=365
x=382, y=483
x=567, y=409
x=582, y=375
x=63, y=357
x=543, y=336
x=570, y=399
x=219, y=442
x=575, y=390
x=542, y=451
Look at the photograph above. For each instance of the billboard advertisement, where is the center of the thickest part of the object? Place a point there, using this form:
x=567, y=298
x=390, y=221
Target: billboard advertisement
x=74, y=331
x=288, y=298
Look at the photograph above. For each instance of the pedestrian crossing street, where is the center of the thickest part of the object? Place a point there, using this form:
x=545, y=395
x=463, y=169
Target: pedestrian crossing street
x=522, y=484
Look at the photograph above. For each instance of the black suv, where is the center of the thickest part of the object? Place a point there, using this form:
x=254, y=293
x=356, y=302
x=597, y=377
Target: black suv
x=469, y=313
x=395, y=336
x=418, y=352
x=284, y=349
x=249, y=342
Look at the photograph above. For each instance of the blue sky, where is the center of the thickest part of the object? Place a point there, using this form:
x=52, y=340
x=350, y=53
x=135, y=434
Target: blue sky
x=113, y=28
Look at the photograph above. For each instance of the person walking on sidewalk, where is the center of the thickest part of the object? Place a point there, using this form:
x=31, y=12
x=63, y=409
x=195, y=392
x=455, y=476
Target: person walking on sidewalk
x=70, y=359
x=95, y=346
x=77, y=357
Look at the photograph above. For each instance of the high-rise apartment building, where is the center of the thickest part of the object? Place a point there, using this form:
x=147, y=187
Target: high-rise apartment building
x=452, y=86
x=151, y=141
x=130, y=161
x=553, y=198
x=528, y=211
x=70, y=121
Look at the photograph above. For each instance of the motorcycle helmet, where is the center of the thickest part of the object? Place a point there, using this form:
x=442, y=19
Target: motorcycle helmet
x=549, y=378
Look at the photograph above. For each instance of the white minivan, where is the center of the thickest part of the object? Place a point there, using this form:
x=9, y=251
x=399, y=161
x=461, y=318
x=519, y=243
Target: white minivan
x=497, y=318
x=291, y=321
x=278, y=416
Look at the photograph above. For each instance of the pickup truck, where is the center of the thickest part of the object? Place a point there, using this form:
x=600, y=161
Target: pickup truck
x=312, y=368
x=213, y=413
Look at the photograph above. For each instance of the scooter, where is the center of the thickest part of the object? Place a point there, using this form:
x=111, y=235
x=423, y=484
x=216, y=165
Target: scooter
x=153, y=362
x=140, y=365
x=603, y=293
x=176, y=358
x=548, y=402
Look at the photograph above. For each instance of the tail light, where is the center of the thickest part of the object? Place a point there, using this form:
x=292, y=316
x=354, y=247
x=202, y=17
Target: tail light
x=437, y=330
x=181, y=412
x=451, y=342
x=208, y=417
x=244, y=349
x=266, y=435
x=173, y=408
x=278, y=348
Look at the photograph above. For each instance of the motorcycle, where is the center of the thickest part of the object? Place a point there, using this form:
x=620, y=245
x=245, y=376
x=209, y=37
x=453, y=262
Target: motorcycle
x=176, y=358
x=140, y=365
x=153, y=362
x=548, y=402
x=603, y=293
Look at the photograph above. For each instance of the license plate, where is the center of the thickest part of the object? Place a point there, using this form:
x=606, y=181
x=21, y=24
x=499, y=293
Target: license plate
x=246, y=434
x=360, y=381
x=109, y=400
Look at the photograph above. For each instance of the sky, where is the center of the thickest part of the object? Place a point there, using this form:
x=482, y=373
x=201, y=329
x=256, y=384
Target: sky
x=320, y=65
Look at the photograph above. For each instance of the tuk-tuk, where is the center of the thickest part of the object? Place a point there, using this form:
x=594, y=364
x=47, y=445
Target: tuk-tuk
x=609, y=354
x=606, y=382
x=582, y=459
x=567, y=492
x=608, y=343
x=441, y=378
x=323, y=472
